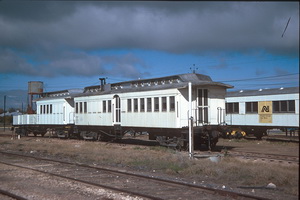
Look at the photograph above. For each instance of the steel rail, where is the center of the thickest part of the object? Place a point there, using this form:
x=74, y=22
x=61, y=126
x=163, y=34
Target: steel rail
x=85, y=182
x=11, y=195
x=157, y=179
x=263, y=156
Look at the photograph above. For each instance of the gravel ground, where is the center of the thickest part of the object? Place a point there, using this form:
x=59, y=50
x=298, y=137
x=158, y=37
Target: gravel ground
x=61, y=189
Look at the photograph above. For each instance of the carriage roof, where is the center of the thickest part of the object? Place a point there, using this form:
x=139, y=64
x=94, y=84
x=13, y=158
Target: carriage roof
x=260, y=92
x=161, y=83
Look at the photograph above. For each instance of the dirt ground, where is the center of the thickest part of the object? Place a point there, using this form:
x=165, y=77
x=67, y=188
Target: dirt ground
x=129, y=146
x=260, y=146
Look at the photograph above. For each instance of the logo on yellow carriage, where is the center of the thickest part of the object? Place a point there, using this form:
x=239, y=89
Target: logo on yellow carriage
x=265, y=111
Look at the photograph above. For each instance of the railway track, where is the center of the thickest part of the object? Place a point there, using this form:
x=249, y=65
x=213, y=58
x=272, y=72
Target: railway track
x=10, y=195
x=276, y=139
x=274, y=158
x=147, y=187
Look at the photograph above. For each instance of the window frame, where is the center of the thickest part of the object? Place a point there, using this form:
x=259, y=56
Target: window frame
x=253, y=105
x=232, y=108
x=156, y=104
x=149, y=104
x=284, y=106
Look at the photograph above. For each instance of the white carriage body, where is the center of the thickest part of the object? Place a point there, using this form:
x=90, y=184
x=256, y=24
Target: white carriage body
x=275, y=119
x=55, y=111
x=27, y=119
x=54, y=108
x=167, y=97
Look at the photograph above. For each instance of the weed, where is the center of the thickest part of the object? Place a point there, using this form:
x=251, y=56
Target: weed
x=228, y=170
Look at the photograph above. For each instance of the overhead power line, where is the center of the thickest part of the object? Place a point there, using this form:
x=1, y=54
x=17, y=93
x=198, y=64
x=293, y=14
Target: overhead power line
x=259, y=78
x=286, y=26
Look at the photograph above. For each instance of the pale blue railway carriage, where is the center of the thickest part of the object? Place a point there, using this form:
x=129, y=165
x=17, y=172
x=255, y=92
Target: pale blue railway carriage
x=256, y=111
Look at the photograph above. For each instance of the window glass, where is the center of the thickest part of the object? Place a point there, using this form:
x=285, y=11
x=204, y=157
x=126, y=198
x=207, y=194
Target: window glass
x=255, y=107
x=80, y=107
x=248, y=107
x=142, y=105
x=135, y=105
x=129, y=107
x=283, y=106
x=205, y=97
x=236, y=107
x=156, y=104
x=232, y=108
x=275, y=106
x=149, y=105
x=172, y=103
x=109, y=106
x=104, y=106
x=85, y=107
x=76, y=108
x=251, y=107
x=291, y=106
x=164, y=104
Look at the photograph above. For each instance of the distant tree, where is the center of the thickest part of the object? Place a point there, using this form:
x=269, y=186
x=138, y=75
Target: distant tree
x=8, y=120
x=11, y=110
x=1, y=110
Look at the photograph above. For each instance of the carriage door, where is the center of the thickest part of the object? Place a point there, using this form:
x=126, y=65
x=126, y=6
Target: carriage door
x=116, y=110
x=202, y=106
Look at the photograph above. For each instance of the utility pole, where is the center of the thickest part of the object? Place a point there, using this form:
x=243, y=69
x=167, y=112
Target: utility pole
x=4, y=107
x=190, y=120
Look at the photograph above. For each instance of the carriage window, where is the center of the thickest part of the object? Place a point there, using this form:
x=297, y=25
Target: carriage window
x=156, y=104
x=109, y=106
x=76, y=108
x=104, y=106
x=291, y=104
x=149, y=105
x=135, y=105
x=80, y=107
x=129, y=106
x=164, y=104
x=41, y=109
x=284, y=106
x=142, y=105
x=203, y=97
x=172, y=103
x=251, y=107
x=50, y=108
x=47, y=109
x=232, y=108
x=85, y=107
x=44, y=110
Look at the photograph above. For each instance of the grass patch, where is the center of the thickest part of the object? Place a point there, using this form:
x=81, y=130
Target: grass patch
x=228, y=171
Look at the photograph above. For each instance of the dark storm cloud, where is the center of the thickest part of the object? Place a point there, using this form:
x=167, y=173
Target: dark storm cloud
x=69, y=63
x=44, y=31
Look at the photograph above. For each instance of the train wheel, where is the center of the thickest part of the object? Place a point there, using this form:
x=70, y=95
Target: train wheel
x=258, y=135
x=213, y=144
x=239, y=135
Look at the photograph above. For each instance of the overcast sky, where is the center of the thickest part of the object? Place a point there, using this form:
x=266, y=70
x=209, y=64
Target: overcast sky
x=70, y=44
